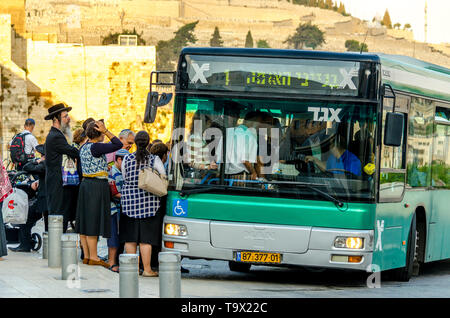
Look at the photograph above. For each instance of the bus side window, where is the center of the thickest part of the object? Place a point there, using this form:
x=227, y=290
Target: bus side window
x=420, y=138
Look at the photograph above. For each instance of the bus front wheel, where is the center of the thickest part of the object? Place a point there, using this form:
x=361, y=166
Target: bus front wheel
x=404, y=274
x=239, y=267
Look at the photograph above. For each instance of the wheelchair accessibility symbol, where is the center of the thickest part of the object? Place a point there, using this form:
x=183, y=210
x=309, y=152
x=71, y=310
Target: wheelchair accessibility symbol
x=179, y=207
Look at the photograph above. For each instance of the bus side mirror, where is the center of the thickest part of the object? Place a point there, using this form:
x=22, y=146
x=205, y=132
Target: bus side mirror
x=154, y=100
x=393, y=129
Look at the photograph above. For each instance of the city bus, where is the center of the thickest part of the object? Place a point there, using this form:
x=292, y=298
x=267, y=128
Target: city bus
x=308, y=158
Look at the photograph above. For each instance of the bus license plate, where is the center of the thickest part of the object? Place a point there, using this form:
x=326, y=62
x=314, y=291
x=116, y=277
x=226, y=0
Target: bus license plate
x=258, y=257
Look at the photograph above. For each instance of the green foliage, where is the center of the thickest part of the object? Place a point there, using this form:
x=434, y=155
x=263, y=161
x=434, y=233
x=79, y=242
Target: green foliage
x=216, y=39
x=262, y=44
x=397, y=26
x=113, y=38
x=323, y=4
x=306, y=35
x=167, y=52
x=355, y=46
x=352, y=45
x=249, y=39
x=364, y=47
x=407, y=26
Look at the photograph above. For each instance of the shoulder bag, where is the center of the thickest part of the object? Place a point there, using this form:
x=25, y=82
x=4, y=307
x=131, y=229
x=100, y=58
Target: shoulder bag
x=151, y=181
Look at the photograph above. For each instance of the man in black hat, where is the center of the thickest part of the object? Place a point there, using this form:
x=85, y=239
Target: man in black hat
x=61, y=200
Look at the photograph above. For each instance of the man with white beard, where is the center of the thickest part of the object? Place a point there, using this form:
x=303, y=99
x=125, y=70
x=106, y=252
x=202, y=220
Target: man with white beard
x=61, y=200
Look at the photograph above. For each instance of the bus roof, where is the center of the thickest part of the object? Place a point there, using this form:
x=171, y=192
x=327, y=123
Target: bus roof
x=282, y=53
x=402, y=72
x=415, y=76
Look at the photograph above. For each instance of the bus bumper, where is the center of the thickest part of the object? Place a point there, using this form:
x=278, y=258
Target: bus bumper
x=298, y=245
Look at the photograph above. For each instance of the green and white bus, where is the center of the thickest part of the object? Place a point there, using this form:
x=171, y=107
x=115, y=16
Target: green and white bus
x=359, y=169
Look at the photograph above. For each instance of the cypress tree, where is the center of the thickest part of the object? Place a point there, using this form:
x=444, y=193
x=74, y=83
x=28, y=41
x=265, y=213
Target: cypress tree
x=387, y=20
x=216, y=39
x=249, y=39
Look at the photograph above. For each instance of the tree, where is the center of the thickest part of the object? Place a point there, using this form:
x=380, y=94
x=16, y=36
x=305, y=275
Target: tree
x=216, y=39
x=407, y=26
x=355, y=46
x=387, y=20
x=397, y=26
x=364, y=47
x=341, y=8
x=167, y=52
x=307, y=35
x=352, y=45
x=249, y=39
x=262, y=44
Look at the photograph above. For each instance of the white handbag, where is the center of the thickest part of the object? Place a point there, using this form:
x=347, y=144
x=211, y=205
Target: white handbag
x=151, y=181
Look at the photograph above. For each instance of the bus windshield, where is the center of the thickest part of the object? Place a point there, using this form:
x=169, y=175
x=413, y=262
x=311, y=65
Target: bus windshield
x=262, y=146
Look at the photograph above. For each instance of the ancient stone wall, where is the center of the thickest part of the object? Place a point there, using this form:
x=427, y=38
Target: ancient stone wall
x=109, y=82
x=16, y=8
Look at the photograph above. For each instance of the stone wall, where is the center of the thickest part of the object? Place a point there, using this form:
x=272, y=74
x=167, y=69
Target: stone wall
x=16, y=8
x=109, y=82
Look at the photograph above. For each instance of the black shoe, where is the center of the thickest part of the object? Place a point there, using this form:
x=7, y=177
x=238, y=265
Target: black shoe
x=184, y=270
x=19, y=249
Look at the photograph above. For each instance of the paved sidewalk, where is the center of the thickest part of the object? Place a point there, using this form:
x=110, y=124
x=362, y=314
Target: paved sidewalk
x=28, y=275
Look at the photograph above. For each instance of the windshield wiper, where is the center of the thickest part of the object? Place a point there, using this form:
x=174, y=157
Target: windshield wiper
x=312, y=186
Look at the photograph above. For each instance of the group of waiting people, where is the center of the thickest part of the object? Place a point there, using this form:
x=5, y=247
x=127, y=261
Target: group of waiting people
x=107, y=202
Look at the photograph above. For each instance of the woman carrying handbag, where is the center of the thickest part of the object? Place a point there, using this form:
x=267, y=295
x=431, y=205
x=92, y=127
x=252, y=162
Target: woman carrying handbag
x=140, y=219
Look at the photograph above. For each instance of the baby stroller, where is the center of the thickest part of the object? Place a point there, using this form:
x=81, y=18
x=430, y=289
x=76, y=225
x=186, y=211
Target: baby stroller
x=21, y=180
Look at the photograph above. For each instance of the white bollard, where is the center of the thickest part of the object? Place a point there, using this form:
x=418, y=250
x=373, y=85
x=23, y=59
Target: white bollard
x=55, y=230
x=129, y=276
x=169, y=275
x=69, y=256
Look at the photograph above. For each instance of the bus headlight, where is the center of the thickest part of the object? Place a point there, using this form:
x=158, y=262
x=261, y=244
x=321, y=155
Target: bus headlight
x=175, y=229
x=355, y=243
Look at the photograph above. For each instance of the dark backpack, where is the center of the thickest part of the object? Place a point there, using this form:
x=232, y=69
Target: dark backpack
x=17, y=148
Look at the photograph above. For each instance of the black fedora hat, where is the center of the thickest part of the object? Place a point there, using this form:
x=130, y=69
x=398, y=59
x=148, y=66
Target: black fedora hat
x=56, y=109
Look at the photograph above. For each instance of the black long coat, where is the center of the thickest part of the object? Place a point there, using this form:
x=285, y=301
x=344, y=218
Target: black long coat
x=60, y=200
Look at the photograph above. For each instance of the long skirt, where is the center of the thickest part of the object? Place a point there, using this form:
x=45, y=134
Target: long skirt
x=3, y=249
x=94, y=208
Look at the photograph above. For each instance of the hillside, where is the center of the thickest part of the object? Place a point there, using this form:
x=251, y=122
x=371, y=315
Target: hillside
x=270, y=20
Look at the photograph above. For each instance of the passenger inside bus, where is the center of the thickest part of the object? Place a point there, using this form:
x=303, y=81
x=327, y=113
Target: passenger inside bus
x=340, y=160
x=242, y=148
x=199, y=152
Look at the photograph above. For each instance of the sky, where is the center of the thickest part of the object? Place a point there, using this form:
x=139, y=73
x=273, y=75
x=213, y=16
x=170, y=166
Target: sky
x=408, y=11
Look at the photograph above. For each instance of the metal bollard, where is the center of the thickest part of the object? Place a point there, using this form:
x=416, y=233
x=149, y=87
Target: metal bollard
x=55, y=230
x=169, y=275
x=129, y=276
x=45, y=245
x=69, y=259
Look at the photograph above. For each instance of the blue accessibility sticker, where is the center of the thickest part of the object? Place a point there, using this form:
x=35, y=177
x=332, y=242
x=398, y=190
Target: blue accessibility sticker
x=179, y=207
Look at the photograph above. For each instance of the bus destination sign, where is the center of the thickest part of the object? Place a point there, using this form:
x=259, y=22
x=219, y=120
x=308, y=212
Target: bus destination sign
x=256, y=74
